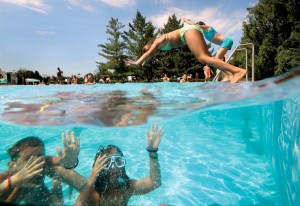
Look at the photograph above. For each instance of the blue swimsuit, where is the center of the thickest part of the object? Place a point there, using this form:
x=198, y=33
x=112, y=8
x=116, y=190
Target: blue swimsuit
x=209, y=34
x=226, y=43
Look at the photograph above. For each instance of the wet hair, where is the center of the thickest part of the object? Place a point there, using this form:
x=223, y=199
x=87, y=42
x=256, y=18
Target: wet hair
x=201, y=23
x=102, y=182
x=30, y=141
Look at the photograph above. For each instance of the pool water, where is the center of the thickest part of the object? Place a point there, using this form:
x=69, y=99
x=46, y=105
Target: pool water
x=223, y=144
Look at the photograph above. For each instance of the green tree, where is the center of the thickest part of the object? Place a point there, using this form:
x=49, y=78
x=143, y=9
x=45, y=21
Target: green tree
x=113, y=50
x=139, y=34
x=274, y=28
x=25, y=73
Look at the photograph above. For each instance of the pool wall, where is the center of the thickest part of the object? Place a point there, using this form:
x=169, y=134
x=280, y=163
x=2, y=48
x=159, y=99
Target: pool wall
x=281, y=135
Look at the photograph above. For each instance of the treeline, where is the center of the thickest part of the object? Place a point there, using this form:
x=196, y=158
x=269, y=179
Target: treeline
x=274, y=28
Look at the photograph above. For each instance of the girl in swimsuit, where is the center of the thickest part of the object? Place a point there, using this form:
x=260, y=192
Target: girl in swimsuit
x=192, y=36
x=109, y=184
x=215, y=37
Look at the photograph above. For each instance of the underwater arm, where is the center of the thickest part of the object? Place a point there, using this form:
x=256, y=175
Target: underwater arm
x=88, y=195
x=154, y=180
x=68, y=176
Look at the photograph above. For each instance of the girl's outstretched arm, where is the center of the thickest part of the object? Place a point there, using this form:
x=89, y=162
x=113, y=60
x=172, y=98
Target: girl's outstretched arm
x=151, y=52
x=86, y=196
x=154, y=180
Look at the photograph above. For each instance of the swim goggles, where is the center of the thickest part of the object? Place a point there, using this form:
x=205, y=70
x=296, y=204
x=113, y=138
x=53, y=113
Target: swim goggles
x=118, y=160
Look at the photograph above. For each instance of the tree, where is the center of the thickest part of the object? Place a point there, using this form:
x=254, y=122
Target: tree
x=113, y=50
x=139, y=34
x=274, y=28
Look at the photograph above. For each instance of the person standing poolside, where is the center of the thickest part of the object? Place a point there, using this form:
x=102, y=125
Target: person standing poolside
x=109, y=184
x=215, y=37
x=23, y=182
x=207, y=72
x=192, y=36
x=59, y=75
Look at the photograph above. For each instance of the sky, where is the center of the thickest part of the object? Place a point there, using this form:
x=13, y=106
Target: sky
x=42, y=35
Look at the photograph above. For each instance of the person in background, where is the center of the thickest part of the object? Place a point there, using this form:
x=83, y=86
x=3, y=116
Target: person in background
x=59, y=75
x=23, y=182
x=192, y=36
x=207, y=73
x=74, y=79
x=110, y=185
x=107, y=80
x=183, y=79
x=89, y=79
x=165, y=78
x=101, y=80
x=215, y=37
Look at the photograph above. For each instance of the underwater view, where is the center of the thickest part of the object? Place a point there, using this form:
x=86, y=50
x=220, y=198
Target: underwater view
x=223, y=144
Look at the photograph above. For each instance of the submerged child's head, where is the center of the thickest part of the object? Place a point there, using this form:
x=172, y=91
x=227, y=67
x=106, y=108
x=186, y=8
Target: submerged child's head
x=28, y=142
x=22, y=151
x=115, y=166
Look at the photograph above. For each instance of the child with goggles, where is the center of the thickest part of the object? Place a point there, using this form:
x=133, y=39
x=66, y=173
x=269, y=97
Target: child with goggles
x=109, y=184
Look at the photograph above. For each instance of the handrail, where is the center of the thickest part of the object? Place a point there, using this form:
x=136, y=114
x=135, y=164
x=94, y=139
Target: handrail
x=236, y=49
x=3, y=73
x=246, y=63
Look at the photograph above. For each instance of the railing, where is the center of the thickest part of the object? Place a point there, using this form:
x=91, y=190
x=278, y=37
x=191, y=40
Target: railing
x=240, y=47
x=3, y=73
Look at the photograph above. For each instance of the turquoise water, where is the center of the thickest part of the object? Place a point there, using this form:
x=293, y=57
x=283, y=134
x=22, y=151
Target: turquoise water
x=223, y=144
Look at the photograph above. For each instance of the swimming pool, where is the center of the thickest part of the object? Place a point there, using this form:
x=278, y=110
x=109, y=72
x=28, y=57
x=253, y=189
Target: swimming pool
x=223, y=144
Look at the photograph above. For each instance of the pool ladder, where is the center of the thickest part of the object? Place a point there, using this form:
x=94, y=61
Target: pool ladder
x=239, y=48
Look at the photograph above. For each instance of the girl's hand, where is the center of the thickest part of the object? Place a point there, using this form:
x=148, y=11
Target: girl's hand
x=32, y=169
x=154, y=137
x=71, y=149
x=99, y=165
x=130, y=62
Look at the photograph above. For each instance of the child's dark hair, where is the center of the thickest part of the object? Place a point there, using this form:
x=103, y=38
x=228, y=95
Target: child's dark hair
x=31, y=141
x=102, y=181
x=201, y=23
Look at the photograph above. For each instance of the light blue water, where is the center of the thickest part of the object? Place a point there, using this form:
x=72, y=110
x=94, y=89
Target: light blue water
x=223, y=144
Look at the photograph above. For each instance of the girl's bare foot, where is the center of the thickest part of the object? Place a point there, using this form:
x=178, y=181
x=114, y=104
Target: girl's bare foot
x=238, y=76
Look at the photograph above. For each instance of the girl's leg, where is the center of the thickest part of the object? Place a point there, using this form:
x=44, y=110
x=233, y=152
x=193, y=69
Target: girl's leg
x=220, y=54
x=198, y=47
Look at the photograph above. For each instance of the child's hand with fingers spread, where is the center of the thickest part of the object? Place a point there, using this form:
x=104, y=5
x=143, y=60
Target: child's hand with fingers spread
x=99, y=165
x=154, y=138
x=31, y=170
x=71, y=150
